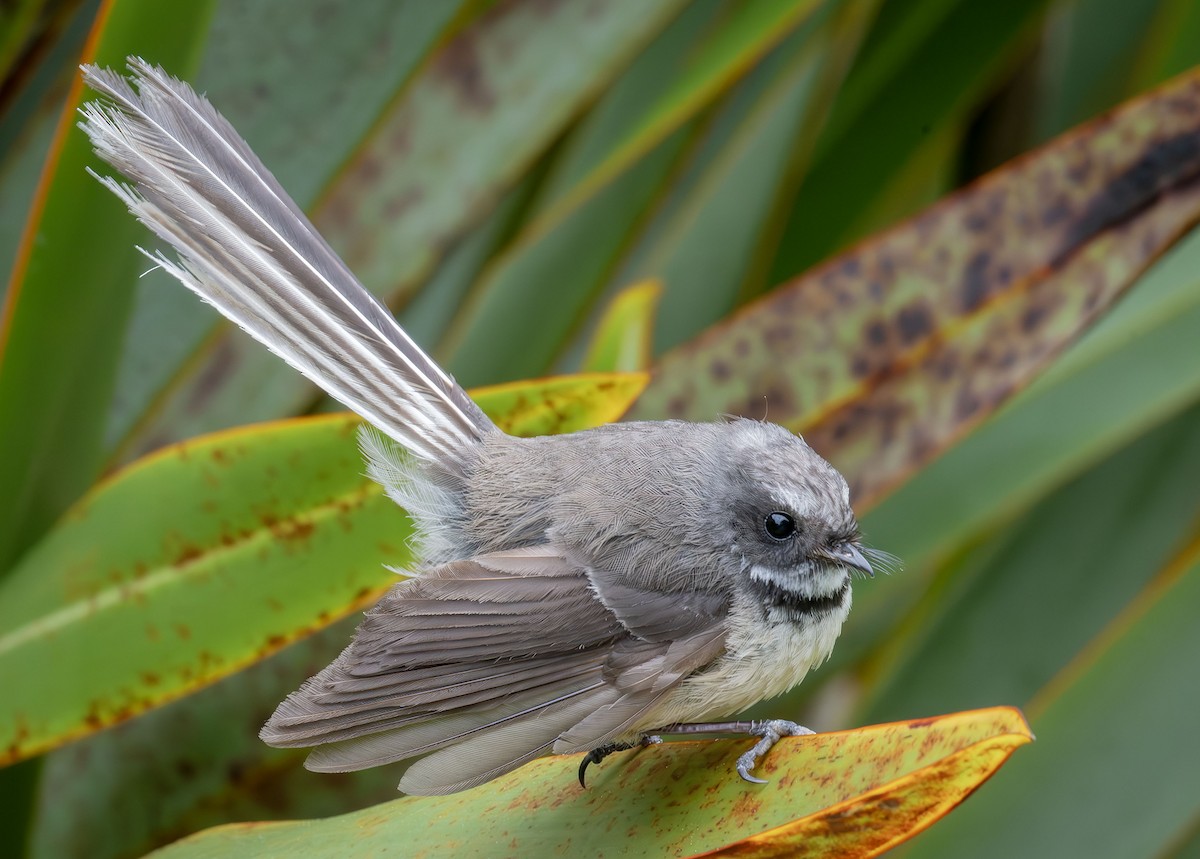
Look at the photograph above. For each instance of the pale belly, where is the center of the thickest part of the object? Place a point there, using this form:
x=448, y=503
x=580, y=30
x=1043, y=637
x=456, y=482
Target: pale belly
x=762, y=660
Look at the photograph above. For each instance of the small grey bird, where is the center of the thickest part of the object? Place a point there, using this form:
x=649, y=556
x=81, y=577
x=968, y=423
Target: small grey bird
x=585, y=592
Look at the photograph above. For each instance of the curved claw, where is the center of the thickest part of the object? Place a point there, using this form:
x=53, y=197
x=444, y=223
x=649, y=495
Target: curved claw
x=601, y=752
x=746, y=763
x=770, y=731
x=590, y=758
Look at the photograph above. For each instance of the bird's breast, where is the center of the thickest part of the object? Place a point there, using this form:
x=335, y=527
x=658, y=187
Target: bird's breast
x=764, y=657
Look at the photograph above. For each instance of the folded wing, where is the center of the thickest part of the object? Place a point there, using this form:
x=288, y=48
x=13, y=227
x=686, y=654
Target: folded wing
x=486, y=664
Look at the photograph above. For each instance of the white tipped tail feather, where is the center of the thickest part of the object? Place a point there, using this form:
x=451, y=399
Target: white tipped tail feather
x=247, y=249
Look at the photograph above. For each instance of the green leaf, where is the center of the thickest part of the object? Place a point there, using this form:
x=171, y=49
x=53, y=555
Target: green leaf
x=1084, y=553
x=1117, y=771
x=747, y=32
x=925, y=65
x=1172, y=45
x=886, y=356
x=303, y=97
x=71, y=287
x=592, y=212
x=1090, y=48
x=559, y=267
x=160, y=788
x=705, y=241
x=133, y=617
x=622, y=338
x=29, y=113
x=411, y=179
x=854, y=792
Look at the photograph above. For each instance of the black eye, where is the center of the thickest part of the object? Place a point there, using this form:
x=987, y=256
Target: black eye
x=780, y=525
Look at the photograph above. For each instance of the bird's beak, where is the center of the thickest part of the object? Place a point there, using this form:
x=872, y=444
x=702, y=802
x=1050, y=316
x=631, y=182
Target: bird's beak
x=851, y=555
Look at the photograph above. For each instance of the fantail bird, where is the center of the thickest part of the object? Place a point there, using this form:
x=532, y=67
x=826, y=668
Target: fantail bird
x=582, y=592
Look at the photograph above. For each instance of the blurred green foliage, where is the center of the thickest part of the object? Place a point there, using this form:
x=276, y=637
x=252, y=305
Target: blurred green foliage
x=724, y=147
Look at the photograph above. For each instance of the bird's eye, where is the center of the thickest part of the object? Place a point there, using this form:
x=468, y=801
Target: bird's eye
x=779, y=525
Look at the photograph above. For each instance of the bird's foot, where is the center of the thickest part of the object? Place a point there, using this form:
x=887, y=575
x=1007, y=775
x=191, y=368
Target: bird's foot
x=599, y=753
x=770, y=730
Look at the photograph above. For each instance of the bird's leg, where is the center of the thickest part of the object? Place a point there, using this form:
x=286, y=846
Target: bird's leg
x=601, y=752
x=770, y=730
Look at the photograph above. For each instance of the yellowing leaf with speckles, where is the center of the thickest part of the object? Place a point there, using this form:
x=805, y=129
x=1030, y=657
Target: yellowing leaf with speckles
x=886, y=355
x=849, y=793
x=206, y=557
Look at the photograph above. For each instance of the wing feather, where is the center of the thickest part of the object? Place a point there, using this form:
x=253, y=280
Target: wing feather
x=486, y=663
x=643, y=674
x=464, y=635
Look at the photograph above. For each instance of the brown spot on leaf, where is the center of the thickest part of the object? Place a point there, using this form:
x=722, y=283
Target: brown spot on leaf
x=458, y=64
x=1030, y=319
x=187, y=555
x=397, y=206
x=1057, y=212
x=1164, y=163
x=966, y=405
x=975, y=285
x=914, y=323
x=293, y=530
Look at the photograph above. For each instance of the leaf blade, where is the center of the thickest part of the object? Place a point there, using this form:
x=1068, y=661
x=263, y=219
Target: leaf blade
x=57, y=297
x=871, y=366
x=678, y=782
x=136, y=617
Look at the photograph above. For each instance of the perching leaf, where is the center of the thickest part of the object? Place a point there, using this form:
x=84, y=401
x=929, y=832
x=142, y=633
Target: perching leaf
x=211, y=555
x=851, y=793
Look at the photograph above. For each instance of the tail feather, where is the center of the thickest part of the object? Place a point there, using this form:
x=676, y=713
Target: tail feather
x=480, y=759
x=247, y=249
x=534, y=721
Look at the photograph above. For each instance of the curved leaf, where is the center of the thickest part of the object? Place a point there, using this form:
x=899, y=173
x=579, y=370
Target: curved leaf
x=747, y=33
x=303, y=87
x=437, y=159
x=705, y=243
x=71, y=286
x=859, y=792
x=887, y=355
x=925, y=65
x=1087, y=551
x=214, y=554
x=622, y=338
x=1118, y=752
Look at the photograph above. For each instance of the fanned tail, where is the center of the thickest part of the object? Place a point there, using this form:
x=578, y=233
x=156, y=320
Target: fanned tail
x=247, y=249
